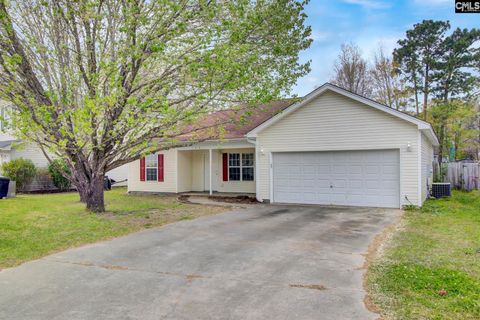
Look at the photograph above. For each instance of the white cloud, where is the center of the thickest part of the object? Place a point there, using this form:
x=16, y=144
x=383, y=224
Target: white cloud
x=312, y=80
x=369, y=4
x=319, y=36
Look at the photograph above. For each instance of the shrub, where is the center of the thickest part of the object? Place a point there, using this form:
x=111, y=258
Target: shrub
x=20, y=170
x=58, y=170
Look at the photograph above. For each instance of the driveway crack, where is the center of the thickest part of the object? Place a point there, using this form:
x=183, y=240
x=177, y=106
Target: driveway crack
x=190, y=277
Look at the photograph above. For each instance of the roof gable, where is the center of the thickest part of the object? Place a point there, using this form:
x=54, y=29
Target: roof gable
x=421, y=125
x=7, y=144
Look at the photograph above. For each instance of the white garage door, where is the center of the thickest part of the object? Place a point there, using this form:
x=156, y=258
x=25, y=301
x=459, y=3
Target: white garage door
x=354, y=178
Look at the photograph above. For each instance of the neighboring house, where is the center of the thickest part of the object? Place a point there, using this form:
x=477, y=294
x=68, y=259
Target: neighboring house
x=331, y=147
x=12, y=148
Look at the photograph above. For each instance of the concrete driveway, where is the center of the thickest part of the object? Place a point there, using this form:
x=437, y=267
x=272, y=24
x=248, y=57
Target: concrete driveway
x=267, y=262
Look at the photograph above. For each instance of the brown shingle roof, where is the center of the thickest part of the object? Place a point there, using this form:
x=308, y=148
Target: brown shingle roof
x=237, y=122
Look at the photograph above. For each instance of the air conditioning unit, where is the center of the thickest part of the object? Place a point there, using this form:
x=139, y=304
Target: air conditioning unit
x=441, y=190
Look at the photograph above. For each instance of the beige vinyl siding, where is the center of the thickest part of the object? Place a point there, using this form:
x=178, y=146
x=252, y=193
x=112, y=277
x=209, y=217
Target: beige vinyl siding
x=170, y=176
x=184, y=175
x=427, y=163
x=30, y=151
x=333, y=122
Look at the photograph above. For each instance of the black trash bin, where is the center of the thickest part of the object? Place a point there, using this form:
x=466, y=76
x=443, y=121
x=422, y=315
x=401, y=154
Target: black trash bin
x=107, y=183
x=4, y=182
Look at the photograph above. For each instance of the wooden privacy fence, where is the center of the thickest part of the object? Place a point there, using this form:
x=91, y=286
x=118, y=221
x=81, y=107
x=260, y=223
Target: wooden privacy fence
x=463, y=176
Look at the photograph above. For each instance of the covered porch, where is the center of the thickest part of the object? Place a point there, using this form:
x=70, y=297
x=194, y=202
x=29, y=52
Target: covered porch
x=217, y=168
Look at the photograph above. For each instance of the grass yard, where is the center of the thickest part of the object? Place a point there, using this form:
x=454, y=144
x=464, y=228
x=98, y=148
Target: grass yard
x=430, y=267
x=32, y=226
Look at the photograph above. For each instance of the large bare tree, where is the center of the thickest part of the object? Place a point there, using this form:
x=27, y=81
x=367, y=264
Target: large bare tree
x=100, y=83
x=388, y=87
x=351, y=70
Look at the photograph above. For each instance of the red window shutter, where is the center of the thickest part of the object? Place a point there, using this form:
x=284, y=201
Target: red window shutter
x=142, y=169
x=225, y=166
x=160, y=167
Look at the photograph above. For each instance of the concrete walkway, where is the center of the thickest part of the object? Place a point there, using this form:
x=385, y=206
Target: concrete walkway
x=267, y=262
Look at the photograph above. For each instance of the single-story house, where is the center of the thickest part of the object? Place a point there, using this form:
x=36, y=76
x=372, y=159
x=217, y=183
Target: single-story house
x=331, y=147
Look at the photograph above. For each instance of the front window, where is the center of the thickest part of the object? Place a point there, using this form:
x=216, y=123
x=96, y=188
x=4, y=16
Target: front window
x=241, y=166
x=151, y=167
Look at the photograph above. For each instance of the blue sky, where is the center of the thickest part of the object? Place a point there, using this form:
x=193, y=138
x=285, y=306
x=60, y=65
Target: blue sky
x=367, y=23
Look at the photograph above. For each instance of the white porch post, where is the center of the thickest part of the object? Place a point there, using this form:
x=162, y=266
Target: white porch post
x=210, y=169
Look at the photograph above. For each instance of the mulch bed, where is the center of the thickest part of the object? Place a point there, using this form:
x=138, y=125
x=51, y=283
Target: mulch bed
x=237, y=199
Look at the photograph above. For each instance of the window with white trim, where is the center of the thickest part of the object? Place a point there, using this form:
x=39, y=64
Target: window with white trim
x=241, y=167
x=151, y=167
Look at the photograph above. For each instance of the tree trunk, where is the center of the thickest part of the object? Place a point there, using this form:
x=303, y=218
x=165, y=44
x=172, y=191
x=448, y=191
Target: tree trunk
x=415, y=88
x=441, y=139
x=425, y=93
x=83, y=197
x=93, y=195
x=456, y=143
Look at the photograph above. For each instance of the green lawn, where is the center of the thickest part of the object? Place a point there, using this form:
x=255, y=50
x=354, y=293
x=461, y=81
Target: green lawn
x=32, y=226
x=430, y=268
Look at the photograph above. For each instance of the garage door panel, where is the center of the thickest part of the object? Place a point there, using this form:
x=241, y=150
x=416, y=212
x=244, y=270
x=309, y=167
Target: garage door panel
x=355, y=157
x=356, y=198
x=390, y=199
x=309, y=197
x=390, y=169
x=340, y=169
x=355, y=169
x=310, y=158
x=339, y=184
x=308, y=170
x=323, y=183
x=296, y=183
x=372, y=169
x=373, y=184
x=356, y=186
x=361, y=178
x=339, y=198
x=389, y=185
x=387, y=159
x=295, y=170
x=322, y=169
